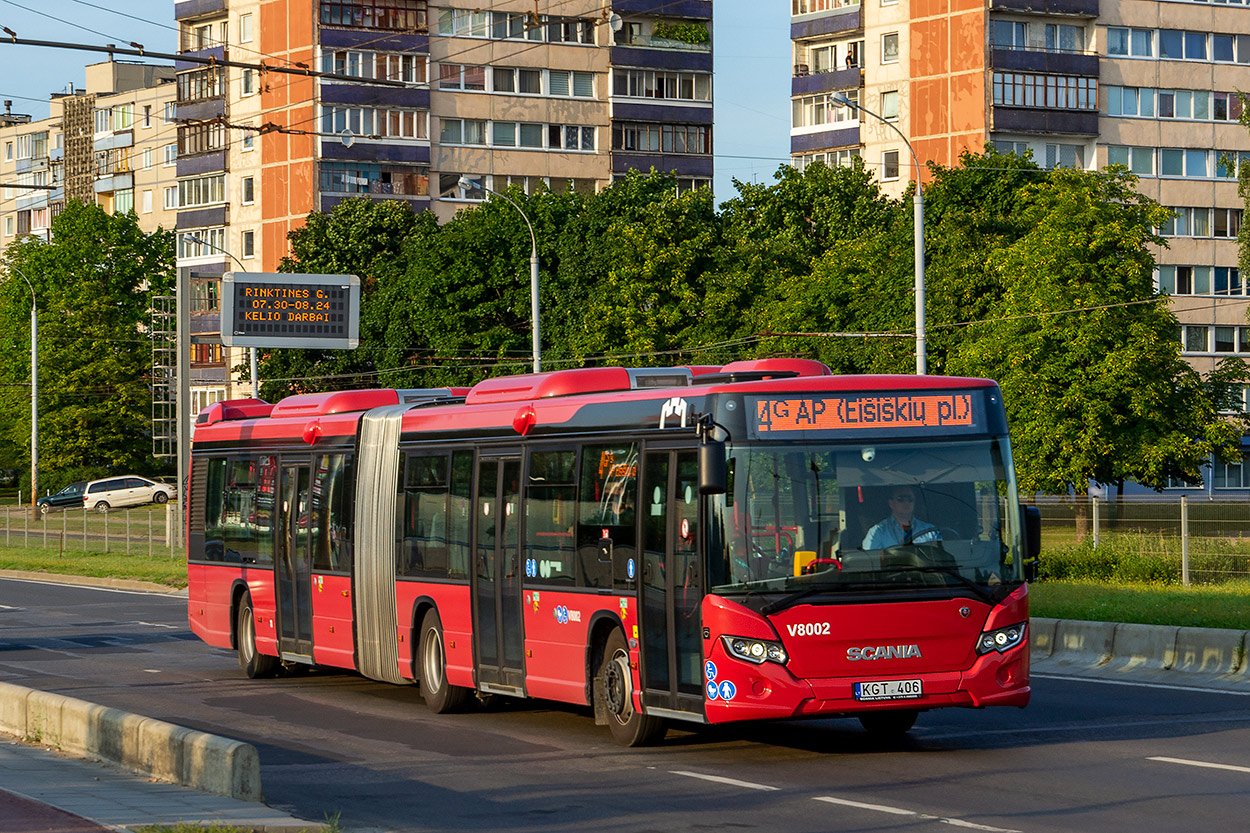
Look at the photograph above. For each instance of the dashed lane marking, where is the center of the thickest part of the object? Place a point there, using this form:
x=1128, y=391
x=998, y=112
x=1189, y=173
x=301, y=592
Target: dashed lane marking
x=1206, y=764
x=720, y=779
x=899, y=811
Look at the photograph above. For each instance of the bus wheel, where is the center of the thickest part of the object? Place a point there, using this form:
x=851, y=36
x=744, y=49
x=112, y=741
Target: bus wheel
x=629, y=728
x=888, y=724
x=253, y=662
x=440, y=696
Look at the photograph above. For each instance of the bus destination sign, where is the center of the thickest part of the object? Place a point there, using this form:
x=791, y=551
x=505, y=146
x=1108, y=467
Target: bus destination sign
x=865, y=412
x=273, y=309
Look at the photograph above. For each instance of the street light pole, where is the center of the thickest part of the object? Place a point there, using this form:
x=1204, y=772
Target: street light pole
x=34, y=387
x=471, y=185
x=918, y=231
x=251, y=350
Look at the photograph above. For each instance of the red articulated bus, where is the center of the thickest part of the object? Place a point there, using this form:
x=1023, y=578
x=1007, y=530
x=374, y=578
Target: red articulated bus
x=701, y=544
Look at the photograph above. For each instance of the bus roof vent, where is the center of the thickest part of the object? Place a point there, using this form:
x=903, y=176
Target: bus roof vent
x=758, y=369
x=334, y=402
x=231, y=409
x=432, y=396
x=659, y=377
x=546, y=385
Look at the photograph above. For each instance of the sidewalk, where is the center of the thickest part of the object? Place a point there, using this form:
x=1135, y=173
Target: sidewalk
x=42, y=791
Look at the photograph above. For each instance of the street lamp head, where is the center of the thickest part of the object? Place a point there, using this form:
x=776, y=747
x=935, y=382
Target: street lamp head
x=467, y=184
x=839, y=98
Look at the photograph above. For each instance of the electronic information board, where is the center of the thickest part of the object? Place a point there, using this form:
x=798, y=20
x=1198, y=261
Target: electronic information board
x=274, y=309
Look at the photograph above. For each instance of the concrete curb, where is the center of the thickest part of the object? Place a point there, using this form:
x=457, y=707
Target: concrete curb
x=141, y=745
x=1162, y=652
x=94, y=581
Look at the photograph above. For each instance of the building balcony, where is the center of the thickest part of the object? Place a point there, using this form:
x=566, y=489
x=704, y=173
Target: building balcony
x=824, y=82
x=190, y=9
x=1051, y=63
x=697, y=9
x=1040, y=120
x=1067, y=8
x=651, y=42
x=834, y=137
x=835, y=21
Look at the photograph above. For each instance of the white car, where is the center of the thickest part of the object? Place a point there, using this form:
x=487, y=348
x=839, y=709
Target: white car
x=131, y=490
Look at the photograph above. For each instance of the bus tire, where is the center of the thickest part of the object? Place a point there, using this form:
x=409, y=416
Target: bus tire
x=889, y=724
x=629, y=728
x=255, y=664
x=440, y=696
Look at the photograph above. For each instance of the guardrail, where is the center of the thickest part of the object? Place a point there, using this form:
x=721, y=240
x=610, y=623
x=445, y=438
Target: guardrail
x=142, y=528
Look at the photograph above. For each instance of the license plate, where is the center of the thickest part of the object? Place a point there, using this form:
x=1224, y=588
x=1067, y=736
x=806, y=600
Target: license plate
x=889, y=690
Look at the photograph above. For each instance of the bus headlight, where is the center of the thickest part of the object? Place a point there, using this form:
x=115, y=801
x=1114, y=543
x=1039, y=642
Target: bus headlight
x=1001, y=640
x=757, y=651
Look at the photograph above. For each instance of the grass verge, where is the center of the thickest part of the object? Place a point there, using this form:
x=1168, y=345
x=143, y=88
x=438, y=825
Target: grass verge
x=1210, y=606
x=171, y=572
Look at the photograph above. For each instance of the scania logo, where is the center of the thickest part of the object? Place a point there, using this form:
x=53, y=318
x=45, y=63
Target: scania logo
x=883, y=652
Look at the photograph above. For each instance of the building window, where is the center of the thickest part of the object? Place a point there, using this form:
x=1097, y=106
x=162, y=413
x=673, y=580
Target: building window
x=245, y=28
x=249, y=244
x=171, y=154
x=147, y=159
x=673, y=86
x=1056, y=92
x=1064, y=38
x=1136, y=43
x=201, y=84
x=889, y=165
x=1227, y=222
x=375, y=14
x=1137, y=159
x=147, y=202
x=1065, y=156
x=203, y=190
x=248, y=82
x=815, y=110
x=889, y=104
x=367, y=121
x=576, y=84
x=8, y=151
x=460, y=77
x=463, y=132
x=1130, y=101
x=1196, y=339
x=1189, y=280
x=201, y=138
x=662, y=138
x=1008, y=34
x=171, y=197
x=147, y=115
x=196, y=243
x=124, y=201
x=889, y=48
x=249, y=140
x=363, y=178
x=171, y=112
x=248, y=195
x=9, y=226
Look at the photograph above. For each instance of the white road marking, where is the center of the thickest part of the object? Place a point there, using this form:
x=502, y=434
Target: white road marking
x=152, y=670
x=9, y=607
x=720, y=779
x=1199, y=689
x=156, y=625
x=899, y=811
x=1206, y=764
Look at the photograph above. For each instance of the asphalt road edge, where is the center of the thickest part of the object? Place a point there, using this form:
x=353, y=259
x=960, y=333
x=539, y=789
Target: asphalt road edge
x=142, y=745
x=1164, y=653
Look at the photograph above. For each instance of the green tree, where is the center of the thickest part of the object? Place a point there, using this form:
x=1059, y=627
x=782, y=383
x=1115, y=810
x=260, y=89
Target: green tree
x=93, y=280
x=1085, y=349
x=359, y=237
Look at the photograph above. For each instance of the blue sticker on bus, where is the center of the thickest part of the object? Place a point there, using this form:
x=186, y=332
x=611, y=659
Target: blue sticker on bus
x=727, y=690
x=709, y=670
x=712, y=691
x=562, y=615
x=629, y=568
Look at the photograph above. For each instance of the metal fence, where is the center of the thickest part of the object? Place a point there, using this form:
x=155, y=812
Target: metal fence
x=150, y=529
x=1201, y=540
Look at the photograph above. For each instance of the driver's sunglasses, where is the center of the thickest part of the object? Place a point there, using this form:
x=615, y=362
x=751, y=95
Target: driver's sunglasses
x=904, y=498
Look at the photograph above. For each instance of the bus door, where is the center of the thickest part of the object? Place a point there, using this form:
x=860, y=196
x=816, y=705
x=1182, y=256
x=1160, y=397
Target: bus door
x=497, y=580
x=672, y=583
x=293, y=562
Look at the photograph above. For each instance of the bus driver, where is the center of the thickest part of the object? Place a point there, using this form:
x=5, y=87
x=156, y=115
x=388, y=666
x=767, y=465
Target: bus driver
x=902, y=527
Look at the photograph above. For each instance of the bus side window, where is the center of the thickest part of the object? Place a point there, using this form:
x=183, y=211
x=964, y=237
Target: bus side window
x=331, y=541
x=549, y=507
x=423, y=532
x=212, y=547
x=459, y=514
x=606, y=532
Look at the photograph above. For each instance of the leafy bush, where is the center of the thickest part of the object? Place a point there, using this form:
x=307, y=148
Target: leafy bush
x=1146, y=559
x=684, y=32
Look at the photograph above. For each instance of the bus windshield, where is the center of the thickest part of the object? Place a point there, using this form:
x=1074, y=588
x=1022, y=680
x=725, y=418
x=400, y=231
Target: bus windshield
x=866, y=516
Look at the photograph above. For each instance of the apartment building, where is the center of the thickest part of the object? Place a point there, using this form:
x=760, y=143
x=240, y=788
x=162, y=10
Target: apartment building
x=110, y=143
x=414, y=99
x=1149, y=84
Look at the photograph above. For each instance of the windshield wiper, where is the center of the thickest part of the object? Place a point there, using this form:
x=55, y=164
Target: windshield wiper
x=791, y=600
x=980, y=591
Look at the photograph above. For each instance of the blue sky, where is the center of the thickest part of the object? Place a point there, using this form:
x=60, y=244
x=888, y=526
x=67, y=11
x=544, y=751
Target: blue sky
x=751, y=85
